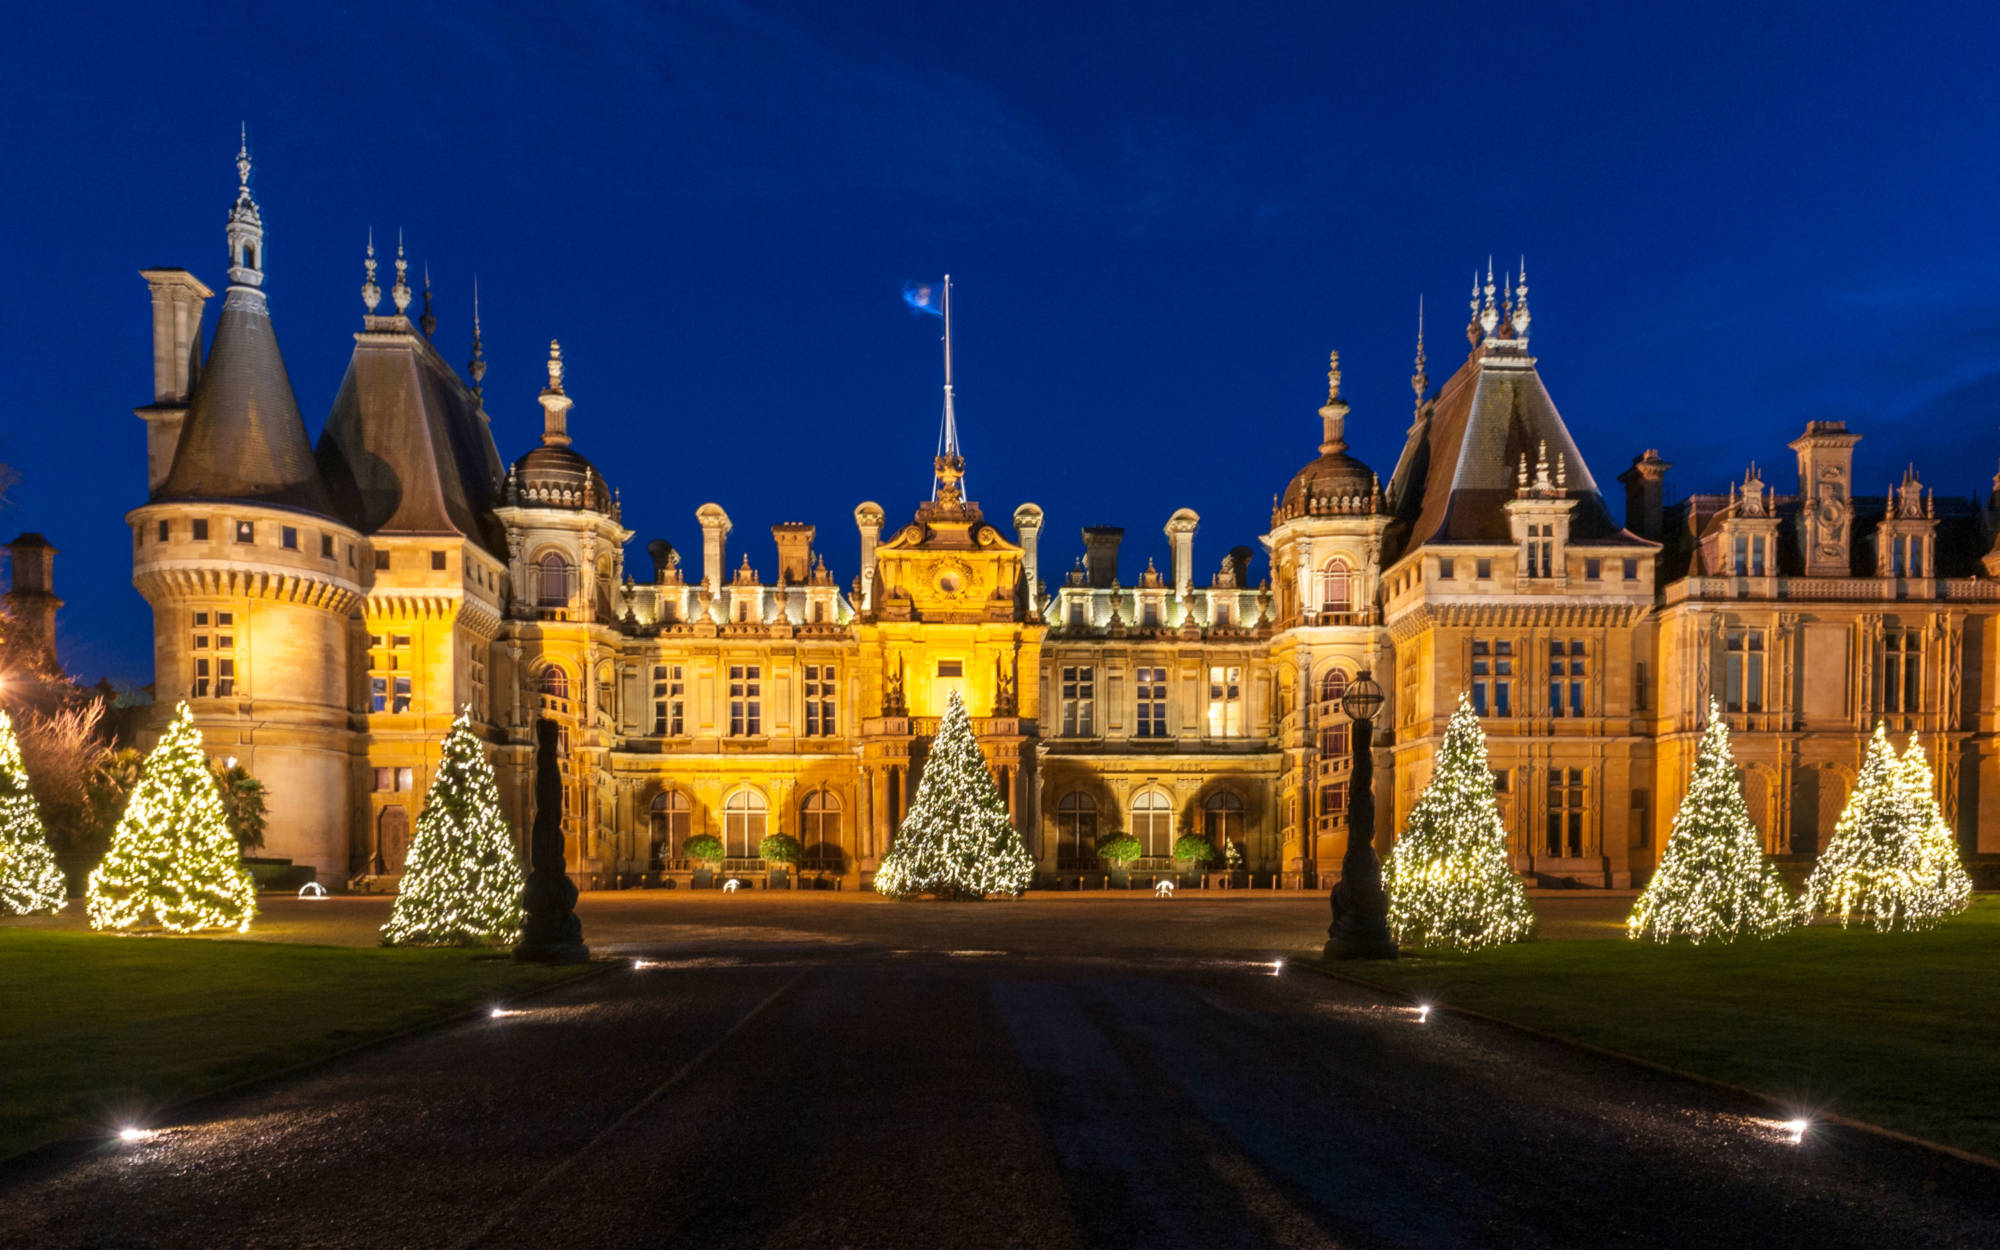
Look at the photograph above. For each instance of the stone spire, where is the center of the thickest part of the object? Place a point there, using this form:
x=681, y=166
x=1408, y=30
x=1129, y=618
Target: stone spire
x=1420, y=381
x=400, y=293
x=1520, y=314
x=371, y=294
x=246, y=231
x=555, y=404
x=1472, y=323
x=1489, y=316
x=427, y=321
x=1333, y=414
x=478, y=366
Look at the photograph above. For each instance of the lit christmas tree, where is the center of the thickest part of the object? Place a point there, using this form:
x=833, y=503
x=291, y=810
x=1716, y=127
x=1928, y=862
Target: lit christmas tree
x=1892, y=861
x=173, y=857
x=1450, y=879
x=1714, y=881
x=462, y=882
x=956, y=842
x=29, y=878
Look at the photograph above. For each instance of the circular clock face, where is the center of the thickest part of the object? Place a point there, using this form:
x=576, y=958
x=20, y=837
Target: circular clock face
x=950, y=582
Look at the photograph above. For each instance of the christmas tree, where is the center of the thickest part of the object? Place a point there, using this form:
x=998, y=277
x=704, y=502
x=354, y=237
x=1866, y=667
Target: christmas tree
x=956, y=842
x=1449, y=877
x=462, y=882
x=1892, y=860
x=1714, y=880
x=172, y=856
x=29, y=878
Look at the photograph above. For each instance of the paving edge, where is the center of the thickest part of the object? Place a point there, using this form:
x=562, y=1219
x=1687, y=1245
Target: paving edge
x=1769, y=1100
x=64, y=1149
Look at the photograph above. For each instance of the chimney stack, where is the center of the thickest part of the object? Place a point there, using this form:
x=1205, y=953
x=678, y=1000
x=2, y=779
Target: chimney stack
x=1028, y=529
x=1645, y=494
x=1100, y=554
x=1180, y=532
x=32, y=603
x=714, y=539
x=178, y=300
x=794, y=540
x=868, y=519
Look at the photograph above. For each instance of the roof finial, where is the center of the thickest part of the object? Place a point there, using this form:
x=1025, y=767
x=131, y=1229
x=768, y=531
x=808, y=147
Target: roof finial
x=371, y=294
x=243, y=160
x=478, y=366
x=1521, y=302
x=1333, y=414
x=1420, y=381
x=428, y=322
x=400, y=293
x=246, y=227
x=555, y=404
x=1472, y=322
x=1489, y=316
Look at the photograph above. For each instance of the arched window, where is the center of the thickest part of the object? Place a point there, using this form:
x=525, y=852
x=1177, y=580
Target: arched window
x=555, y=683
x=743, y=824
x=1153, y=823
x=1332, y=686
x=819, y=824
x=1336, y=586
x=1076, y=829
x=1222, y=818
x=555, y=581
x=670, y=816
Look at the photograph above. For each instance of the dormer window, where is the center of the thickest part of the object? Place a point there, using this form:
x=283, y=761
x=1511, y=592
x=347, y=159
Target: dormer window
x=1750, y=555
x=1541, y=550
x=1906, y=556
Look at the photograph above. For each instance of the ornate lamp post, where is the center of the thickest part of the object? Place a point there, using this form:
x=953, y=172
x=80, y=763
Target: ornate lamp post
x=1360, y=928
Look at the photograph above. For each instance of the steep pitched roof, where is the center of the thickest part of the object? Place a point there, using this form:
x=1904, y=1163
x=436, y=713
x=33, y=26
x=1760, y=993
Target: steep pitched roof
x=243, y=438
x=405, y=450
x=1458, y=467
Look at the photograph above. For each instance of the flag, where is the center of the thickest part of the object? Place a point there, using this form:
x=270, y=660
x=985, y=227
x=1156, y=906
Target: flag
x=925, y=297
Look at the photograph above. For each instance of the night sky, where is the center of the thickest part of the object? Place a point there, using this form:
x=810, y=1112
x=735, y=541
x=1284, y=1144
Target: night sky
x=1736, y=219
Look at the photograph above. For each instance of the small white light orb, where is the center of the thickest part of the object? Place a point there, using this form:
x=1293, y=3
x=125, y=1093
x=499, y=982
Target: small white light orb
x=129, y=1134
x=1423, y=1013
x=1796, y=1129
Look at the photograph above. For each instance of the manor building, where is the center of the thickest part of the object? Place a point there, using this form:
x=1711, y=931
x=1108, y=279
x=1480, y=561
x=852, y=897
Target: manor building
x=327, y=609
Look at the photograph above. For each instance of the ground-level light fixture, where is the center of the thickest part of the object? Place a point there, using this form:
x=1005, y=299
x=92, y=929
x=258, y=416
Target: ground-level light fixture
x=132, y=1133
x=1796, y=1130
x=1423, y=1013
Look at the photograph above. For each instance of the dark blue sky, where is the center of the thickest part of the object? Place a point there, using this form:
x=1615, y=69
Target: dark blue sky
x=1736, y=218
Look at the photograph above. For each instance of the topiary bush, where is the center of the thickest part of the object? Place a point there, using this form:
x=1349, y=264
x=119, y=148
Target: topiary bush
x=704, y=848
x=779, y=848
x=1192, y=848
x=1119, y=850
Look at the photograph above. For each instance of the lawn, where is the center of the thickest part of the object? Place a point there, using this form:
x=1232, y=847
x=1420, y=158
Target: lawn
x=1902, y=1030
x=96, y=1029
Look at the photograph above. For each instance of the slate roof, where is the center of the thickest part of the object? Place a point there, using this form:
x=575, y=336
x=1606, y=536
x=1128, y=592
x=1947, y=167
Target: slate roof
x=406, y=450
x=243, y=439
x=1458, y=468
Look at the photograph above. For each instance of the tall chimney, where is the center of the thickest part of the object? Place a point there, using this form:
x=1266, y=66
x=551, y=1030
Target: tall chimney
x=178, y=300
x=868, y=519
x=1645, y=494
x=1100, y=554
x=714, y=538
x=1028, y=529
x=32, y=603
x=1180, y=532
x=794, y=540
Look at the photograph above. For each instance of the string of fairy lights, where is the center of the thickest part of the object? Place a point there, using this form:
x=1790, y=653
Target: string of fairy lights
x=956, y=841
x=462, y=881
x=30, y=880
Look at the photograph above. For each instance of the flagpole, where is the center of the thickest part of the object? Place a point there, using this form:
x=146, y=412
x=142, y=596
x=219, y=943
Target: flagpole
x=948, y=436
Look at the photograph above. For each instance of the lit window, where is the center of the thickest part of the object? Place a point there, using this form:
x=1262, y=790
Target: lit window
x=1743, y=670
x=1566, y=677
x=1079, y=700
x=1150, y=685
x=1336, y=586
x=1076, y=830
x=213, y=640
x=246, y=531
x=746, y=700
x=821, y=695
x=743, y=819
x=1225, y=701
x=669, y=700
x=1153, y=823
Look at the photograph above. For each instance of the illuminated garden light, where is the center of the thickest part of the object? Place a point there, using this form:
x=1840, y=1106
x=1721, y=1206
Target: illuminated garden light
x=1277, y=967
x=1796, y=1129
x=131, y=1133
x=501, y=1013
x=1423, y=1013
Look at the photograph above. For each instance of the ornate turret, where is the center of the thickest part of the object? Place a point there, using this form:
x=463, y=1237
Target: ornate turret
x=1336, y=482
x=554, y=475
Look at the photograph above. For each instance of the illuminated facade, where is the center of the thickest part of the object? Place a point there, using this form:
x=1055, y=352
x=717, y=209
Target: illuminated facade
x=328, y=608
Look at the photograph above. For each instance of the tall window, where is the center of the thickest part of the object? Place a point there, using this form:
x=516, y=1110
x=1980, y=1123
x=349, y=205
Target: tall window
x=1902, y=671
x=1332, y=687
x=822, y=692
x=555, y=581
x=1225, y=702
x=1222, y=818
x=1336, y=586
x=1749, y=555
x=1564, y=832
x=1150, y=685
x=1076, y=829
x=1492, y=677
x=1333, y=800
x=475, y=674
x=1079, y=700
x=1153, y=823
x=669, y=700
x=1566, y=676
x=819, y=823
x=1743, y=670
x=389, y=673
x=1541, y=550
x=746, y=700
x=743, y=817
x=1336, y=739
x=214, y=643
x=670, y=816
x=1906, y=556
x=555, y=684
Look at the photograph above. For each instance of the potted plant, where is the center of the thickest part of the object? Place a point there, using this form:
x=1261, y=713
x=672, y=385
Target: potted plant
x=704, y=851
x=780, y=853
x=1192, y=856
x=1117, y=853
x=1234, y=868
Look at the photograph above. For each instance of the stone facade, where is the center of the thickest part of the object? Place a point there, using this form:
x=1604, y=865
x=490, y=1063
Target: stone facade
x=329, y=610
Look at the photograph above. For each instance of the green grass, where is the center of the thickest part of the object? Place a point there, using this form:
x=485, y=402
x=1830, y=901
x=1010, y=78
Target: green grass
x=98, y=1029
x=1899, y=1029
